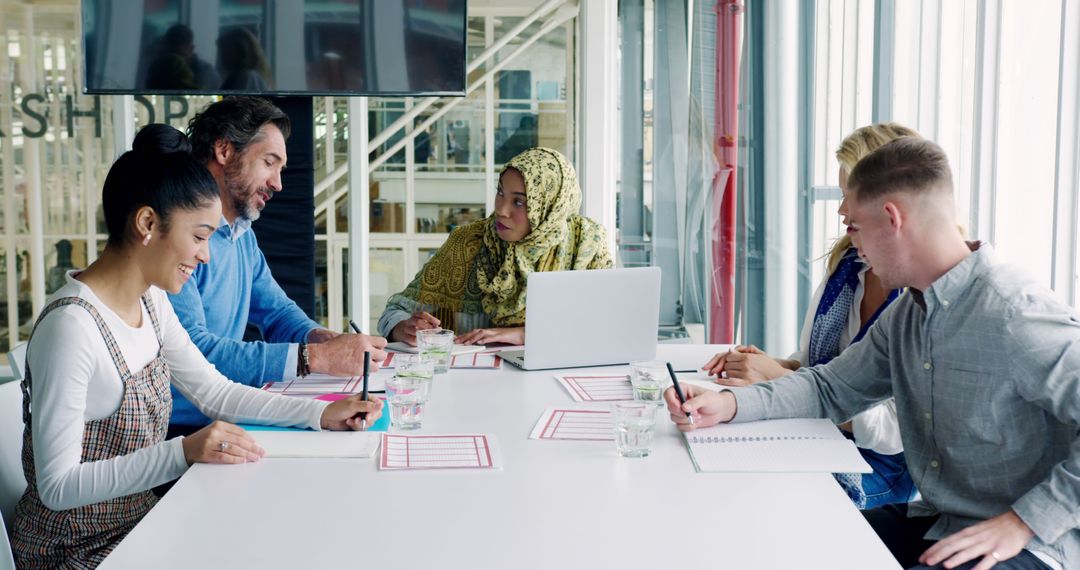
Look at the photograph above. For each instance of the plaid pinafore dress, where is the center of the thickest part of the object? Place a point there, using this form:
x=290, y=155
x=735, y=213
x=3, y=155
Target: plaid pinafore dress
x=82, y=537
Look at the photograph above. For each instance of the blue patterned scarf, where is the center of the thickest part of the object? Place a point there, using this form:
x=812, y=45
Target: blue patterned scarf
x=831, y=318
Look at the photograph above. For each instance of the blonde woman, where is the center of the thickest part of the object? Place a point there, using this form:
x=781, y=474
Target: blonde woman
x=844, y=307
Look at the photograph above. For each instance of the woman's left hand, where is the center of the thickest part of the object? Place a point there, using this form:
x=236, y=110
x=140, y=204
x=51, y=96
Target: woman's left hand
x=509, y=335
x=343, y=414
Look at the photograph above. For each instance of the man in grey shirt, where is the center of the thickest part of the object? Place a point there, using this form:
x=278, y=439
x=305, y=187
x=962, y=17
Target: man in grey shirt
x=984, y=366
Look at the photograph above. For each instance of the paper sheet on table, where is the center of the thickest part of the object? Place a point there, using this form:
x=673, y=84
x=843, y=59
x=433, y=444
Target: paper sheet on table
x=312, y=444
x=318, y=384
x=422, y=452
x=476, y=361
x=782, y=446
x=611, y=387
x=458, y=348
x=576, y=424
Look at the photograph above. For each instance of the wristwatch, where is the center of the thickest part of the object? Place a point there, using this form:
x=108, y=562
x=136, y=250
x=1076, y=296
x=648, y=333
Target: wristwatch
x=303, y=367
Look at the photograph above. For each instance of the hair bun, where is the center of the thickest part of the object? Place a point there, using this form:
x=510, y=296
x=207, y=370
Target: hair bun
x=160, y=139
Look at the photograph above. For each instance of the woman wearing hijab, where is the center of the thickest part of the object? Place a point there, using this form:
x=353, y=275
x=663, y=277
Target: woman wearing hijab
x=475, y=283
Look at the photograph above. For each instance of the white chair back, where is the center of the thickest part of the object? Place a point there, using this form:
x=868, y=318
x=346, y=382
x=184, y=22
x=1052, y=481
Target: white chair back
x=7, y=560
x=12, y=482
x=17, y=360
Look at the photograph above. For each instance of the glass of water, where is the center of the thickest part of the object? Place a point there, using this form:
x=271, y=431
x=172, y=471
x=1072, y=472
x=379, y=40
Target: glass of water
x=635, y=422
x=649, y=378
x=408, y=396
x=413, y=366
x=436, y=345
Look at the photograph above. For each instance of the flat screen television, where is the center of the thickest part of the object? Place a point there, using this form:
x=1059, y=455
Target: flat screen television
x=275, y=47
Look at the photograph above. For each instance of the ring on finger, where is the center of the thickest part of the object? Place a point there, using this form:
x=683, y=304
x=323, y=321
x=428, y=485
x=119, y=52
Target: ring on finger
x=223, y=446
x=995, y=556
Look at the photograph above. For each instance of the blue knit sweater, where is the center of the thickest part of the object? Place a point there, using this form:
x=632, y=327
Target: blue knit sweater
x=218, y=302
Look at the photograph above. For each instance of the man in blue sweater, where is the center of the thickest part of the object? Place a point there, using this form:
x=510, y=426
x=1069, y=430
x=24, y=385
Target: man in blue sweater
x=242, y=142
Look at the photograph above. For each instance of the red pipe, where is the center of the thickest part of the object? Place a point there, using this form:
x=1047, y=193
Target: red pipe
x=725, y=145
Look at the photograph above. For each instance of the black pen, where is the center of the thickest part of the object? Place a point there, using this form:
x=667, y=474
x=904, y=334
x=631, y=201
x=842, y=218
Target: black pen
x=678, y=390
x=363, y=393
x=367, y=367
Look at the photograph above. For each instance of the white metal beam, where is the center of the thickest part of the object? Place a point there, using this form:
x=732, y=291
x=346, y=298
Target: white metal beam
x=984, y=159
x=489, y=131
x=359, y=213
x=1063, y=272
x=32, y=162
x=7, y=176
x=884, y=50
x=781, y=98
x=598, y=45
x=123, y=123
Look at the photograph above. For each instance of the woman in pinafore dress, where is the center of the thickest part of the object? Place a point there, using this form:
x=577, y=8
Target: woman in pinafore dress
x=103, y=354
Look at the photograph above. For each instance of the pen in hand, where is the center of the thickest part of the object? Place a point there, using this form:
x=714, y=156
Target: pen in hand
x=363, y=393
x=678, y=390
x=367, y=369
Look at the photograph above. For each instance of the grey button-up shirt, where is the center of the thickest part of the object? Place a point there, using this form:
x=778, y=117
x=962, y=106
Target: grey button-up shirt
x=985, y=369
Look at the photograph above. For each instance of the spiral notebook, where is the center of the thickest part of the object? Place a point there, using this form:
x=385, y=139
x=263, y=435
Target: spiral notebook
x=782, y=446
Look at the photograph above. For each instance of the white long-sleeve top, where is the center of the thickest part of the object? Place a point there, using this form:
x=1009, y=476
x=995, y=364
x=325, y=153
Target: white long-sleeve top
x=876, y=429
x=75, y=381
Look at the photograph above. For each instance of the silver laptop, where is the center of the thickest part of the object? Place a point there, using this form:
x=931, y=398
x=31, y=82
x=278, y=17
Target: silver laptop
x=589, y=318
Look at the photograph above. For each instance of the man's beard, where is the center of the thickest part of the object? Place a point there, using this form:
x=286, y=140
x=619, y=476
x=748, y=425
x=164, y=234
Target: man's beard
x=240, y=199
x=242, y=204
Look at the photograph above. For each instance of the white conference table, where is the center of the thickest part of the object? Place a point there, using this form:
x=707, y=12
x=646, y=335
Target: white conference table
x=553, y=505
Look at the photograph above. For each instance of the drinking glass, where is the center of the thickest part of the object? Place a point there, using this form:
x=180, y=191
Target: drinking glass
x=649, y=378
x=634, y=425
x=407, y=397
x=436, y=344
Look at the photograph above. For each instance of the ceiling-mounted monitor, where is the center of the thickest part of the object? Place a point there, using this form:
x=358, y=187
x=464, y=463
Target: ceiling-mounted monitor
x=275, y=47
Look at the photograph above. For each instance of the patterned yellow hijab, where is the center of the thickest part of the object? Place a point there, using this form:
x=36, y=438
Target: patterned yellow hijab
x=560, y=239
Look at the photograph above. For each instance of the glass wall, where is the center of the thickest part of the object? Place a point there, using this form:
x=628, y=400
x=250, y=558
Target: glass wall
x=843, y=90
x=57, y=140
x=971, y=76
x=55, y=146
x=666, y=103
x=444, y=175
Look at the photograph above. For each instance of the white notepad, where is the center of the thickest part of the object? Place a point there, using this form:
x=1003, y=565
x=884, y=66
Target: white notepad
x=313, y=444
x=458, y=348
x=785, y=446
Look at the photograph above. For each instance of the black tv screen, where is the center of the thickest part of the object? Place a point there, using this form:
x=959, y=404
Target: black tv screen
x=277, y=47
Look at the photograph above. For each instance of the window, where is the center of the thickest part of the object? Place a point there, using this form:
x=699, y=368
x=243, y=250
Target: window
x=971, y=76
